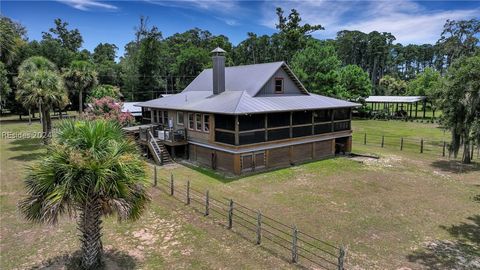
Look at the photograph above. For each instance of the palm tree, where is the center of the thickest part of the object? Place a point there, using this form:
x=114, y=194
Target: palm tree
x=80, y=77
x=91, y=168
x=40, y=85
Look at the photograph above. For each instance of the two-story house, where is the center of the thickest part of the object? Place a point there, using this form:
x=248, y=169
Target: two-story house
x=252, y=117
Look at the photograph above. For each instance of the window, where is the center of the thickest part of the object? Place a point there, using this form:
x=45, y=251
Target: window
x=300, y=118
x=191, y=121
x=322, y=116
x=198, y=122
x=206, y=122
x=155, y=119
x=223, y=121
x=278, y=119
x=278, y=85
x=165, y=117
x=180, y=118
x=251, y=137
x=225, y=137
x=251, y=121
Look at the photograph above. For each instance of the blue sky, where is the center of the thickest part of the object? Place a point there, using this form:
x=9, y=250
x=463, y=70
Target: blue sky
x=114, y=21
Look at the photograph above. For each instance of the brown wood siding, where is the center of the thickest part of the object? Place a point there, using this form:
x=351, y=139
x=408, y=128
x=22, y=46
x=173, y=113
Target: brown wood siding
x=204, y=155
x=279, y=157
x=225, y=161
x=324, y=148
x=302, y=152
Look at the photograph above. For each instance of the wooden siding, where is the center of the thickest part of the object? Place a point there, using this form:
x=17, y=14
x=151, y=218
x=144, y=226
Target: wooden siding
x=289, y=86
x=301, y=153
x=324, y=148
x=279, y=157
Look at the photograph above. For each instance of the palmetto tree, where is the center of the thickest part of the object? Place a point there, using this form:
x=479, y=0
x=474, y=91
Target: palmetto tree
x=40, y=86
x=91, y=169
x=80, y=77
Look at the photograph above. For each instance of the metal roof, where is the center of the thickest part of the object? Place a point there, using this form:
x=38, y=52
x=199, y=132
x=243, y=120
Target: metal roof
x=132, y=108
x=248, y=78
x=395, y=99
x=236, y=102
x=242, y=84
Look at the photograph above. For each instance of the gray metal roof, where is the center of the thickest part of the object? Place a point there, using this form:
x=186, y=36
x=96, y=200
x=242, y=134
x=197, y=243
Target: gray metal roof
x=242, y=83
x=132, y=108
x=248, y=78
x=236, y=102
x=395, y=99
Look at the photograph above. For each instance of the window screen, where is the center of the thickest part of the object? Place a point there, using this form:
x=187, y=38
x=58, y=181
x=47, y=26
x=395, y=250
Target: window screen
x=299, y=118
x=342, y=126
x=342, y=114
x=252, y=121
x=302, y=131
x=278, y=119
x=278, y=134
x=223, y=121
x=322, y=116
x=278, y=85
x=251, y=137
x=323, y=128
x=225, y=137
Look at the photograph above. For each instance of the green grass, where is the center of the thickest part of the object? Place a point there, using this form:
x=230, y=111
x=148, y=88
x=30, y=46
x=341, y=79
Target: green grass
x=383, y=211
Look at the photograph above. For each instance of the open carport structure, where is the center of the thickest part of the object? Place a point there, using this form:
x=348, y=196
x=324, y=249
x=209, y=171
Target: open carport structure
x=398, y=106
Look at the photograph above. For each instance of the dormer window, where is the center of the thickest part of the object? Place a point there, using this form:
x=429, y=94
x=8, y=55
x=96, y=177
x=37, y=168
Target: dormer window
x=278, y=85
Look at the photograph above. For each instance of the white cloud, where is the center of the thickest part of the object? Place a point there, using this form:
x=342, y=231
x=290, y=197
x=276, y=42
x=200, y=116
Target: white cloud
x=88, y=4
x=223, y=6
x=408, y=21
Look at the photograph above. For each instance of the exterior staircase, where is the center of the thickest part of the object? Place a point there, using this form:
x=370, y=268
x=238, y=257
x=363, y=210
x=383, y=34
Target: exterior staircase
x=160, y=153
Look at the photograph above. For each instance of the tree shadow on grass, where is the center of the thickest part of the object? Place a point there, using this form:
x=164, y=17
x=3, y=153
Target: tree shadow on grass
x=461, y=253
x=112, y=259
x=31, y=146
x=455, y=166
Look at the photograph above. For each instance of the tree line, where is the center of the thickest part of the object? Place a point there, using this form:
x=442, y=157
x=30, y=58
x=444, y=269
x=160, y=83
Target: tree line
x=352, y=66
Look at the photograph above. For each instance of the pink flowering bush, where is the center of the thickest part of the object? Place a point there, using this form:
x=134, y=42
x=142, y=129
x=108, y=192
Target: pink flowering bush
x=110, y=109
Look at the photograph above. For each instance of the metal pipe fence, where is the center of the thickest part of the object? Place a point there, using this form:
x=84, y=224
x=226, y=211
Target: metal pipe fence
x=303, y=248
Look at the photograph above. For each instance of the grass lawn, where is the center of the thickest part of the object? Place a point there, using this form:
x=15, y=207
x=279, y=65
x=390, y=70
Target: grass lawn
x=405, y=209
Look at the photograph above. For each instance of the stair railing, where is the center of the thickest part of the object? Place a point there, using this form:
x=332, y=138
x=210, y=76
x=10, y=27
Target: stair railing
x=155, y=146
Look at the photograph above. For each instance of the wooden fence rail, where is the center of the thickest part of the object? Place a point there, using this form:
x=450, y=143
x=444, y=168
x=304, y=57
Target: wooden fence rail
x=302, y=246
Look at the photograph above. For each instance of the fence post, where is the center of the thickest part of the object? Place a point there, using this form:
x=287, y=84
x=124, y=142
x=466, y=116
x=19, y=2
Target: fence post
x=294, y=244
x=421, y=146
x=341, y=257
x=154, y=175
x=444, y=146
x=365, y=139
x=401, y=144
x=188, y=192
x=383, y=140
x=171, y=185
x=207, y=204
x=259, y=227
x=230, y=215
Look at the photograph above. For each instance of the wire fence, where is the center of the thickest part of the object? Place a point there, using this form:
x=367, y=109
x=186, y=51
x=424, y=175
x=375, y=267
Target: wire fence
x=282, y=239
x=418, y=145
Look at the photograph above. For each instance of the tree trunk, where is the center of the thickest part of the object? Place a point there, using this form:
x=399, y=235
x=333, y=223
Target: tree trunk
x=43, y=114
x=80, y=102
x=48, y=125
x=89, y=225
x=466, y=159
